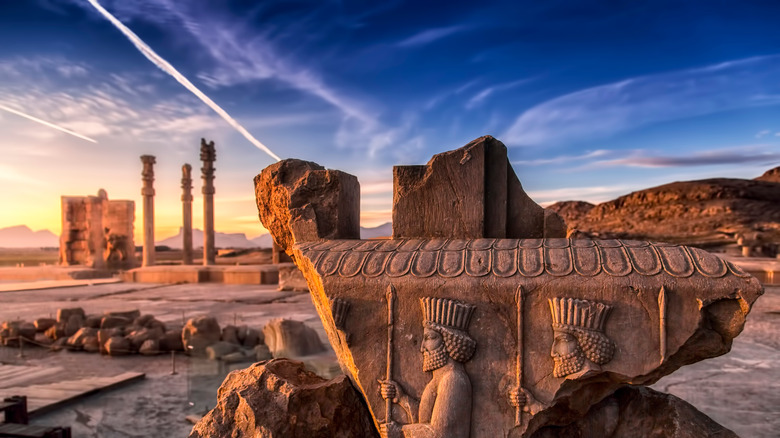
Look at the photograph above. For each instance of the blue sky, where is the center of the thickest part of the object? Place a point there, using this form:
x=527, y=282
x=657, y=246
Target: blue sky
x=593, y=99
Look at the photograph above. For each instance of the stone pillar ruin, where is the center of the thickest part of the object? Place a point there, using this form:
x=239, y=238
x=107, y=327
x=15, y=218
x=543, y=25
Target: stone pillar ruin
x=147, y=175
x=208, y=155
x=186, y=202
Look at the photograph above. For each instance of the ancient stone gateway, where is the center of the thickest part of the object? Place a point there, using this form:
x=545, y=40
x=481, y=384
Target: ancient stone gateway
x=488, y=336
x=97, y=232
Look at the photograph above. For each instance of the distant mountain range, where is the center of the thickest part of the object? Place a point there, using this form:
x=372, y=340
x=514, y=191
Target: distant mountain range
x=690, y=212
x=21, y=236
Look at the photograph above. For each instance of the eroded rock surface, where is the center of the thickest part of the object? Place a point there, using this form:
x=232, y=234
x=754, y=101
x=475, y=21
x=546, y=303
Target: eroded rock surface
x=281, y=399
x=640, y=412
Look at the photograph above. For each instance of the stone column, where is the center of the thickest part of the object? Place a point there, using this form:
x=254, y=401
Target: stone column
x=208, y=155
x=147, y=175
x=186, y=202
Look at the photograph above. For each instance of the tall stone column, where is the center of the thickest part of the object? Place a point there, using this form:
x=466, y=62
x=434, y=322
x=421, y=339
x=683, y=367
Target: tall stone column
x=208, y=155
x=186, y=202
x=147, y=176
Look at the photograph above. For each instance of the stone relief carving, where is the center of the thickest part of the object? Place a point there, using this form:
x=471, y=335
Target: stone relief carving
x=444, y=410
x=579, y=343
x=449, y=258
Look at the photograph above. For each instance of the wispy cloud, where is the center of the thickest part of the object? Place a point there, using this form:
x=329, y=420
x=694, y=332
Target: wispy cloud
x=763, y=133
x=48, y=124
x=609, y=109
x=430, y=35
x=122, y=105
x=483, y=94
x=561, y=159
x=168, y=68
x=751, y=154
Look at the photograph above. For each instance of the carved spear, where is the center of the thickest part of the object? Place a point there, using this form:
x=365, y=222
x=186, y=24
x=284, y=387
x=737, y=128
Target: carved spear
x=662, y=321
x=519, y=302
x=390, y=294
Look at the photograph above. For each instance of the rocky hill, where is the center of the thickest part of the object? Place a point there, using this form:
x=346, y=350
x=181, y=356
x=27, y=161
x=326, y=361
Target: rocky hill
x=709, y=210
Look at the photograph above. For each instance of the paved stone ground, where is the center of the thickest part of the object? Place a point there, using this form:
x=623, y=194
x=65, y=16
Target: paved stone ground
x=741, y=390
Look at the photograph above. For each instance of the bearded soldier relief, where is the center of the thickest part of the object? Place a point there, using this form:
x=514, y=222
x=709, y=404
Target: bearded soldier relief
x=444, y=409
x=579, y=343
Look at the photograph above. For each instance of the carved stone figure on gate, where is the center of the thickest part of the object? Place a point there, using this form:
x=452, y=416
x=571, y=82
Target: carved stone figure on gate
x=579, y=343
x=444, y=409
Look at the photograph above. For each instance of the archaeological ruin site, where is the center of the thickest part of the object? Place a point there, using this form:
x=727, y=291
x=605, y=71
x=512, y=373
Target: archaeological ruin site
x=482, y=315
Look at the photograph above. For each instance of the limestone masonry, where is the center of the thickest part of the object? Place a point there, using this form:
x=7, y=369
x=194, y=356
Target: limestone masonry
x=480, y=319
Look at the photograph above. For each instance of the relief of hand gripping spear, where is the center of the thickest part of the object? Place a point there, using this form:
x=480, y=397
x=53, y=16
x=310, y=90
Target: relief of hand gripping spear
x=444, y=410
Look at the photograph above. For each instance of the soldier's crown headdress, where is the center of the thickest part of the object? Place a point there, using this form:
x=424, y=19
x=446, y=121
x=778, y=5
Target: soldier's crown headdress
x=585, y=314
x=446, y=312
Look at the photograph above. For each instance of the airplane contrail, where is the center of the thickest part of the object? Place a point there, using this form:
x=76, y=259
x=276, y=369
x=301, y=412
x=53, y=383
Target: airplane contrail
x=45, y=123
x=163, y=65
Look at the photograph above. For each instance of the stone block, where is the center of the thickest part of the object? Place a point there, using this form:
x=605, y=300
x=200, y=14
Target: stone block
x=280, y=398
x=118, y=346
x=290, y=338
x=336, y=214
x=219, y=349
x=470, y=192
x=63, y=315
x=43, y=324
x=199, y=333
x=291, y=278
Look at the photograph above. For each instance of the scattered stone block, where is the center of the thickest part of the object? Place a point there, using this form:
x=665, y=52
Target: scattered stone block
x=261, y=401
x=43, y=324
x=109, y=321
x=93, y=321
x=149, y=321
x=236, y=357
x=290, y=338
x=291, y=278
x=199, y=333
x=171, y=341
x=74, y=324
x=230, y=334
x=118, y=346
x=77, y=340
x=56, y=331
x=262, y=353
x=130, y=315
x=90, y=344
x=219, y=349
x=63, y=315
x=141, y=335
x=150, y=347
x=250, y=337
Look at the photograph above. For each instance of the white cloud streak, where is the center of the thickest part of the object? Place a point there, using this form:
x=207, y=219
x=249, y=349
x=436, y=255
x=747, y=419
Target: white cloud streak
x=430, y=35
x=621, y=106
x=45, y=123
x=168, y=68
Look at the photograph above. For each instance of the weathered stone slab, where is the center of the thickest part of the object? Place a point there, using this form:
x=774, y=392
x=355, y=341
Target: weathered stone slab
x=470, y=192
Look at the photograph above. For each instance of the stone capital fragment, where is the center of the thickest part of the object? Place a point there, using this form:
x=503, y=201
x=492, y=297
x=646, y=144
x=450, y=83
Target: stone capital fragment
x=471, y=334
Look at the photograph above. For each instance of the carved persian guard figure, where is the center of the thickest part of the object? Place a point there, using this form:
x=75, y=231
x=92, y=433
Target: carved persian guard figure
x=579, y=343
x=444, y=410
